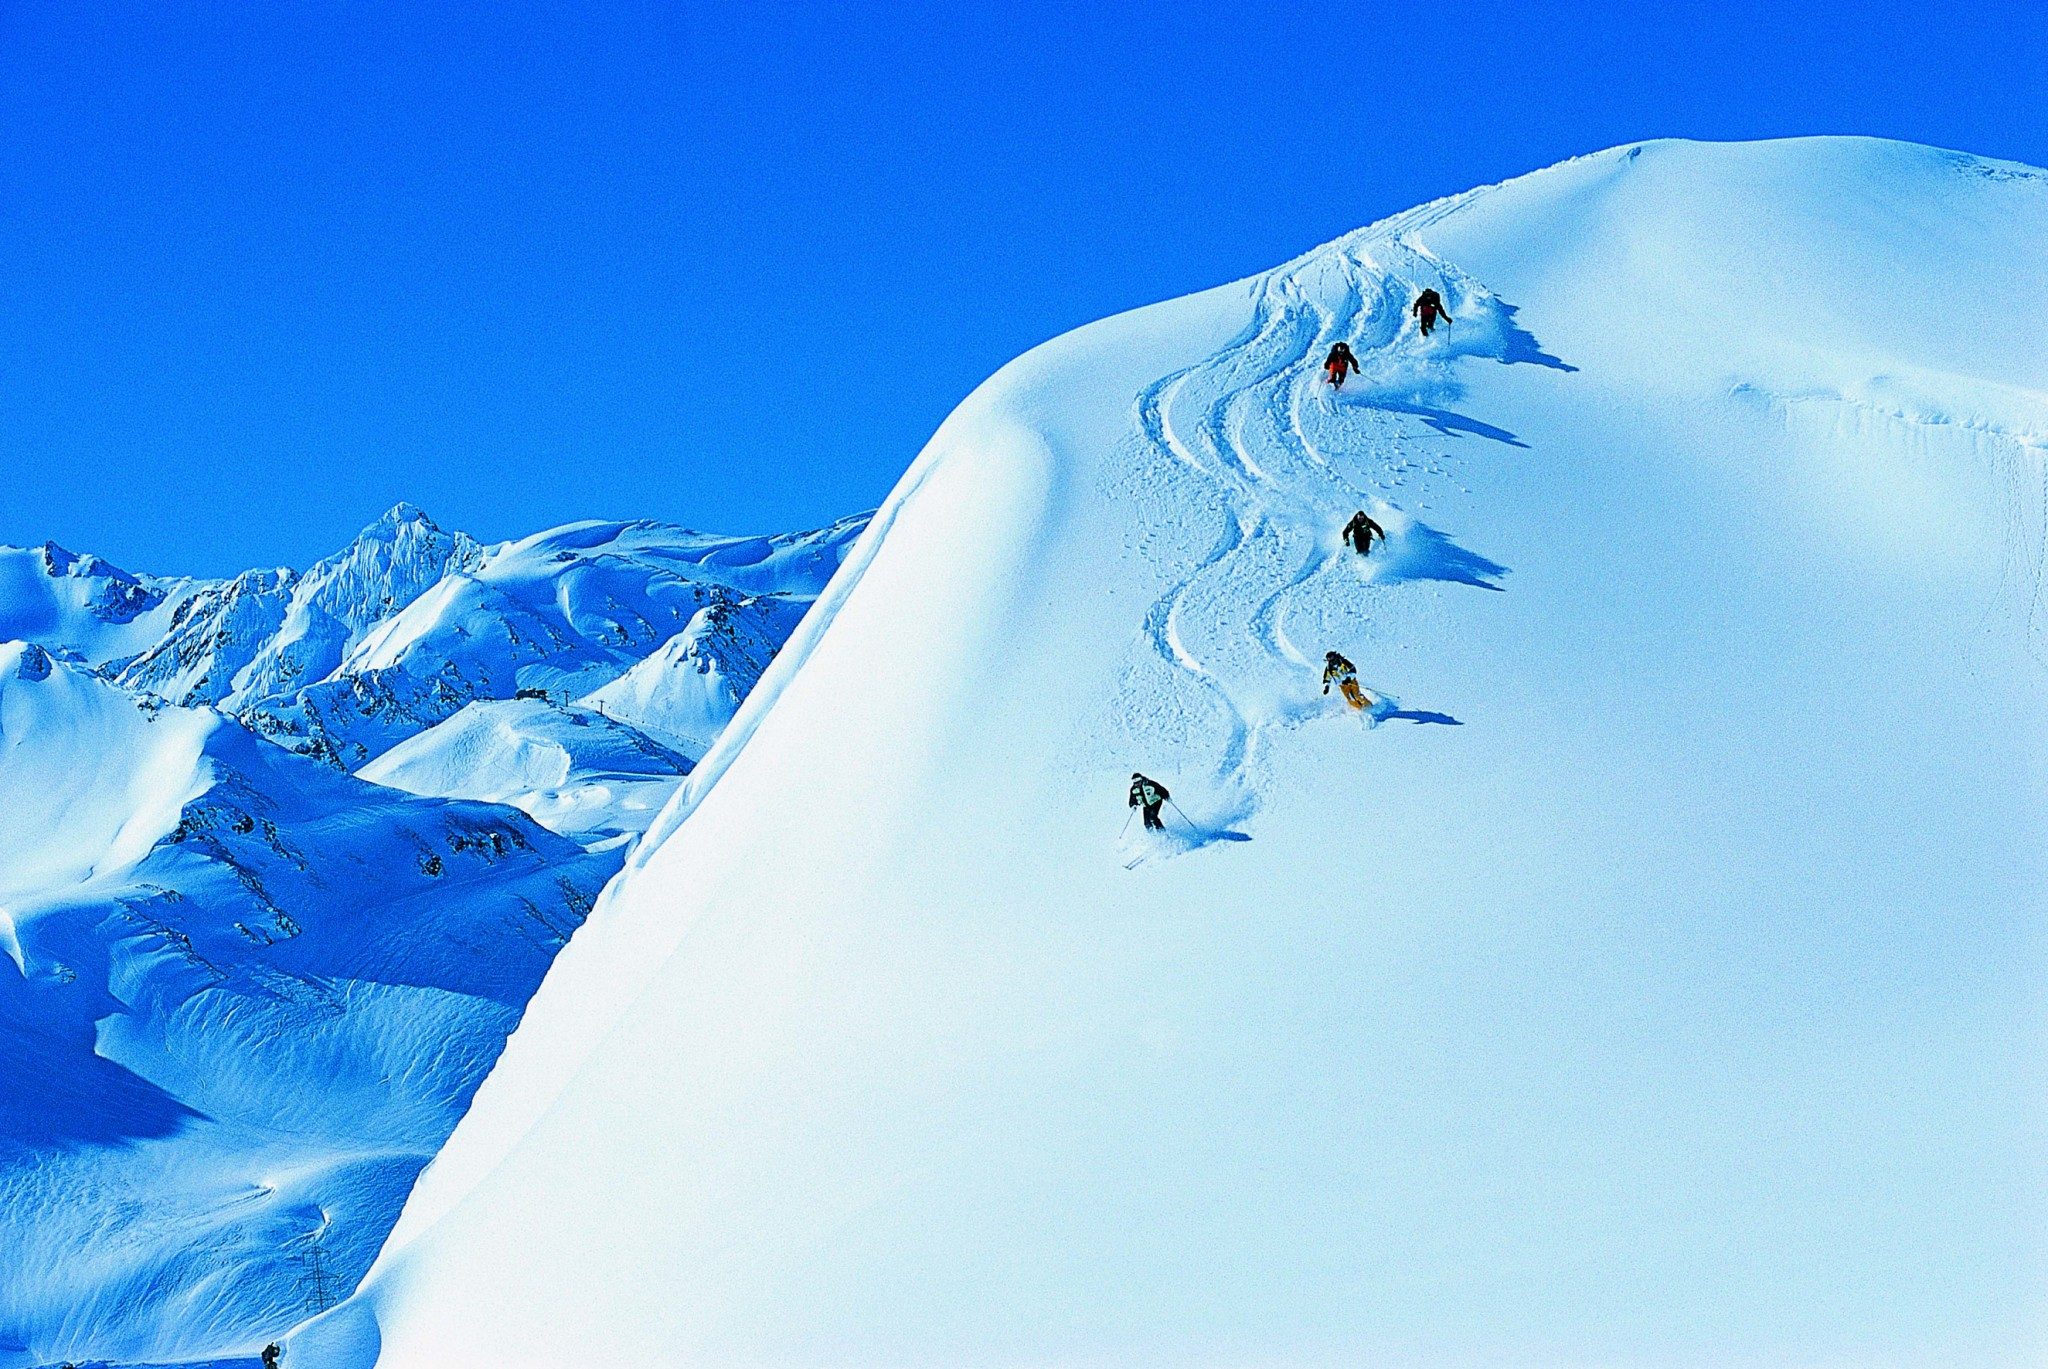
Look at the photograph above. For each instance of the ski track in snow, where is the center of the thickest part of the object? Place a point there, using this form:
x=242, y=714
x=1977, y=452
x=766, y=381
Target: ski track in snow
x=1287, y=460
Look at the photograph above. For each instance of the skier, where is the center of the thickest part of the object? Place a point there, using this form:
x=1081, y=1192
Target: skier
x=1148, y=794
x=1360, y=531
x=1428, y=308
x=271, y=1353
x=1339, y=363
x=1338, y=671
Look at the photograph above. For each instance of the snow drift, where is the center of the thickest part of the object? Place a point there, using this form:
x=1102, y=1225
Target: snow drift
x=1657, y=983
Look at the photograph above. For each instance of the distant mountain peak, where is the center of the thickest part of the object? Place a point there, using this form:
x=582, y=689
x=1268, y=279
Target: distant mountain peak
x=400, y=515
x=56, y=560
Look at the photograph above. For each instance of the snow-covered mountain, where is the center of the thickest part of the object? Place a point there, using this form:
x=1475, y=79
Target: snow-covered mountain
x=247, y=998
x=245, y=995
x=685, y=693
x=1658, y=982
x=408, y=626
x=559, y=614
x=602, y=766
x=570, y=768
x=264, y=635
x=87, y=609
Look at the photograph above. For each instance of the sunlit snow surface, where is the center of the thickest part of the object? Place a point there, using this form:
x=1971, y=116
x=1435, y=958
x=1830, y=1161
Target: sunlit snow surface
x=1654, y=979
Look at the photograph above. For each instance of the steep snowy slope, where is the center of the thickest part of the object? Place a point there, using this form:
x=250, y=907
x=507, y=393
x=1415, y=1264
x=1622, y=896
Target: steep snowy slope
x=1658, y=983
x=243, y=1000
x=101, y=778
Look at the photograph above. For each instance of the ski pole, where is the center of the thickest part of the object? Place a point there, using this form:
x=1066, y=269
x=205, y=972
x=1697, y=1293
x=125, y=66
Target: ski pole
x=1127, y=824
x=1183, y=816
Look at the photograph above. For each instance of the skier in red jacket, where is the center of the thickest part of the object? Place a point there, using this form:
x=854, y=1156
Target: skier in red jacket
x=1339, y=363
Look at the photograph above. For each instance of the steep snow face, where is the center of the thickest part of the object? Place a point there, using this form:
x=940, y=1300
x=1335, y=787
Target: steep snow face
x=243, y=999
x=213, y=638
x=572, y=770
x=84, y=607
x=1657, y=981
x=560, y=613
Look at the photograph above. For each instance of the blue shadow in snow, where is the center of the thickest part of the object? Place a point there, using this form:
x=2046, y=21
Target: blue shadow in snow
x=1411, y=715
x=1420, y=552
x=1451, y=424
x=77, y=1097
x=1519, y=345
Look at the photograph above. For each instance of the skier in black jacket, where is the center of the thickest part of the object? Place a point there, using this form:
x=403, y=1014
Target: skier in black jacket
x=1360, y=531
x=1428, y=308
x=1149, y=794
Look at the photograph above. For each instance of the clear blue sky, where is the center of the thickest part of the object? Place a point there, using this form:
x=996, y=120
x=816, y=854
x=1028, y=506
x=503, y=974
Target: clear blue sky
x=270, y=267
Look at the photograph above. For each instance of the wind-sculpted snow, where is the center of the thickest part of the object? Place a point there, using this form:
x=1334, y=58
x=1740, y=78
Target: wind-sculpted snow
x=1652, y=977
x=571, y=769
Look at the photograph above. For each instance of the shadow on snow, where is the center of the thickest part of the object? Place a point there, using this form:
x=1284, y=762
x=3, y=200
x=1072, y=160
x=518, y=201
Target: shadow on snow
x=1420, y=552
x=1519, y=345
